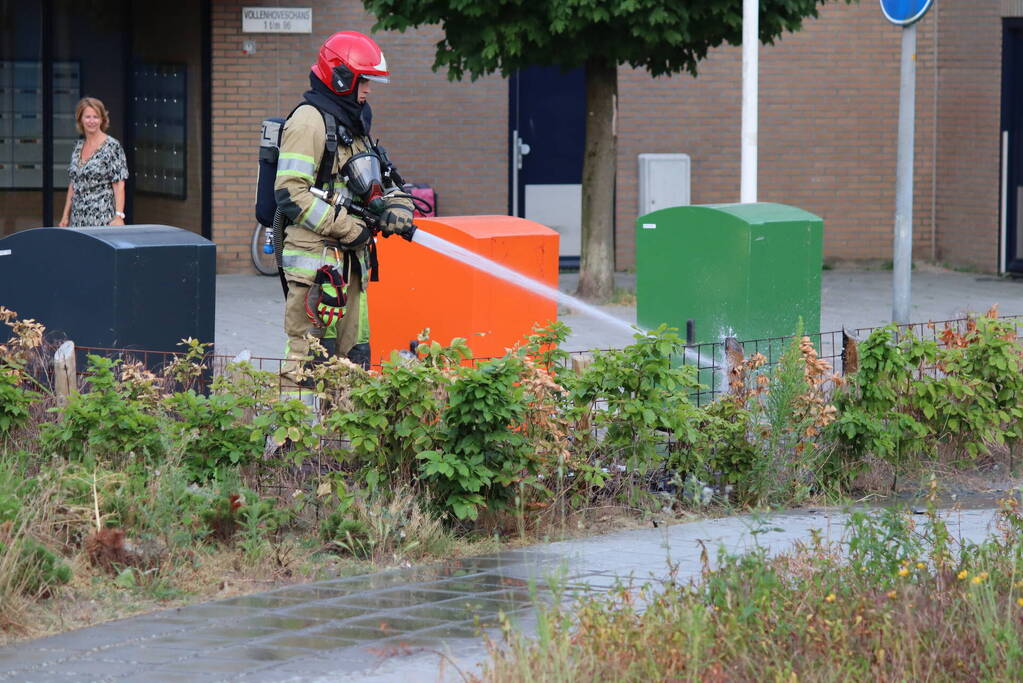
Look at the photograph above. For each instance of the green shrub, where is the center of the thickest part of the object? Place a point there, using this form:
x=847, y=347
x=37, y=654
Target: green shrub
x=909, y=396
x=483, y=452
x=393, y=416
x=291, y=426
x=260, y=521
x=383, y=526
x=874, y=412
x=12, y=489
x=635, y=397
x=979, y=386
x=15, y=400
x=544, y=346
x=26, y=336
x=211, y=432
x=339, y=528
x=720, y=449
x=110, y=422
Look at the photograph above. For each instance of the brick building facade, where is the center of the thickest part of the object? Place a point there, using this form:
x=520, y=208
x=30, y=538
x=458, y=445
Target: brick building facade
x=828, y=113
x=828, y=117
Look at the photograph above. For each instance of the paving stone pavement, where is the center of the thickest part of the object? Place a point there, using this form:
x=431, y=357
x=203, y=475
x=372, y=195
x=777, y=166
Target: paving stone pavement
x=402, y=625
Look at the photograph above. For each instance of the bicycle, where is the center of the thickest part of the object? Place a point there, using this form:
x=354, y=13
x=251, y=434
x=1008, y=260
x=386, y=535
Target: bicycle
x=265, y=263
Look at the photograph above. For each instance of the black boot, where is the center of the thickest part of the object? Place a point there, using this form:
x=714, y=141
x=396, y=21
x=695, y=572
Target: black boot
x=329, y=344
x=359, y=354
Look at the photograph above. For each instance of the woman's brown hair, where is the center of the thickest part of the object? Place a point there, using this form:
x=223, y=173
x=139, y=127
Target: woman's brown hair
x=104, y=118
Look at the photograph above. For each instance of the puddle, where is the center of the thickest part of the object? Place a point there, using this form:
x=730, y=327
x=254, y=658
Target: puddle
x=282, y=622
x=397, y=623
x=261, y=601
x=399, y=598
x=330, y=612
x=311, y=642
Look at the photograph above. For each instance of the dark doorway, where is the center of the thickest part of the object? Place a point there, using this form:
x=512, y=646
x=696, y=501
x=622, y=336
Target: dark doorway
x=547, y=117
x=1012, y=146
x=148, y=63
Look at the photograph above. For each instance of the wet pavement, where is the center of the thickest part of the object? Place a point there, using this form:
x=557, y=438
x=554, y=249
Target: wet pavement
x=414, y=624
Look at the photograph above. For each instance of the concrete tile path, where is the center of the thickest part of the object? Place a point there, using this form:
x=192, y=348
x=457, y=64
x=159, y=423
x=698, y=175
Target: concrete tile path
x=394, y=625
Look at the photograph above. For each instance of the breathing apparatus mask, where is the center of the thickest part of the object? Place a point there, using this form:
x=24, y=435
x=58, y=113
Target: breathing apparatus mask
x=364, y=176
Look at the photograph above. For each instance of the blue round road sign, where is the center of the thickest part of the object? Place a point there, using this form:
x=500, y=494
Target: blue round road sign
x=904, y=12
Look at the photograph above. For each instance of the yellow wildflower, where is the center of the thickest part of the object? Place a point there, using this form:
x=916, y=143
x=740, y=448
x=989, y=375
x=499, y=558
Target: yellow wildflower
x=830, y=598
x=903, y=572
x=891, y=595
x=920, y=565
x=1019, y=601
x=962, y=575
x=983, y=575
x=976, y=579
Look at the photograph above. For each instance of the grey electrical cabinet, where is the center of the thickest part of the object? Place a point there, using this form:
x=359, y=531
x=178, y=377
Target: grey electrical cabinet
x=664, y=181
x=132, y=287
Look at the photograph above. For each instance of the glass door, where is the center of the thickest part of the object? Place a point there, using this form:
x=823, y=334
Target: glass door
x=21, y=129
x=89, y=52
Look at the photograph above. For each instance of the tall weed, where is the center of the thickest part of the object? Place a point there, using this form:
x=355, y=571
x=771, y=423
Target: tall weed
x=887, y=613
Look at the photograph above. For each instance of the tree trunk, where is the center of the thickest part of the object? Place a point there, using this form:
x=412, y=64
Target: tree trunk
x=596, y=268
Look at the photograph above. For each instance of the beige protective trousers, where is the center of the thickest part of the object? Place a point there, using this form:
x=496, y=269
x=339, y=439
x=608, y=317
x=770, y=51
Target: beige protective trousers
x=297, y=324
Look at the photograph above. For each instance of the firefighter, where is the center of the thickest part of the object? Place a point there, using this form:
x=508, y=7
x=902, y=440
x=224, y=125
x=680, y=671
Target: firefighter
x=320, y=233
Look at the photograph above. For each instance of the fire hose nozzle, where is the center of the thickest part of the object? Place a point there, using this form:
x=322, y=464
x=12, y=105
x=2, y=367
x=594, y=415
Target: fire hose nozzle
x=368, y=214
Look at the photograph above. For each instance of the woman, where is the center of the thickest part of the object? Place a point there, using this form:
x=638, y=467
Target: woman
x=95, y=194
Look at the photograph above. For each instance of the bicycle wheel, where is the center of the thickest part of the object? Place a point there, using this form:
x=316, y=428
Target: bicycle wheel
x=266, y=264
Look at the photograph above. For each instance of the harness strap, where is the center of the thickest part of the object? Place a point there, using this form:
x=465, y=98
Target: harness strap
x=325, y=172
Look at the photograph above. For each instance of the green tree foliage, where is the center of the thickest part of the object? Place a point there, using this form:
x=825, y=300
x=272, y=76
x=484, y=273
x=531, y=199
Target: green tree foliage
x=662, y=36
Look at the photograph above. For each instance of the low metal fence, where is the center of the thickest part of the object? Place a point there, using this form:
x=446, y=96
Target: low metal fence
x=709, y=359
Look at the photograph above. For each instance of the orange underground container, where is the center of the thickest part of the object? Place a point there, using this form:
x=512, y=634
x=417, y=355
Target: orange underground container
x=420, y=288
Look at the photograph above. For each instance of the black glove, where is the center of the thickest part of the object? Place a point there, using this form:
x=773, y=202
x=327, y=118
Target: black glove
x=395, y=219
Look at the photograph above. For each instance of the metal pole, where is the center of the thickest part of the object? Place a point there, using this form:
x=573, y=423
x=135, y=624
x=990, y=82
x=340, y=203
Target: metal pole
x=515, y=173
x=750, y=95
x=902, y=252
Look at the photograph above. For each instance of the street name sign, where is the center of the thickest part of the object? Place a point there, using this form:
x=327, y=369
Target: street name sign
x=277, y=20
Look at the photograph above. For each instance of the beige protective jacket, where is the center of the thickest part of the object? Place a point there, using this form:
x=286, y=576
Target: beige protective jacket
x=314, y=221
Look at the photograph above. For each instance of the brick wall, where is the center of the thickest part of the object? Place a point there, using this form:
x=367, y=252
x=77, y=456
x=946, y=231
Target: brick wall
x=450, y=135
x=827, y=130
x=968, y=141
x=828, y=121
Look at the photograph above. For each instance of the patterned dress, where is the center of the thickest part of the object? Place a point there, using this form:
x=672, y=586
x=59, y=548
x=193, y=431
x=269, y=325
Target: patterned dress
x=93, y=200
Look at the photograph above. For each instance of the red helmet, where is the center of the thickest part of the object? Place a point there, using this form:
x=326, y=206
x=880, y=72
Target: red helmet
x=347, y=56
